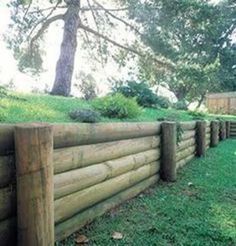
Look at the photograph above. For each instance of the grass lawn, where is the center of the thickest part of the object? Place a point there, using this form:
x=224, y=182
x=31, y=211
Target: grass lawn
x=200, y=214
x=34, y=107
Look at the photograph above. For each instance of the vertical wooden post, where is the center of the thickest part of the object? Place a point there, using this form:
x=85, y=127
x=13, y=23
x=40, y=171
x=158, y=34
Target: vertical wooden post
x=227, y=129
x=201, y=138
x=222, y=133
x=214, y=133
x=168, y=147
x=34, y=171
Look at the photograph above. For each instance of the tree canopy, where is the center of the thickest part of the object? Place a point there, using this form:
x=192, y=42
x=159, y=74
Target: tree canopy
x=185, y=45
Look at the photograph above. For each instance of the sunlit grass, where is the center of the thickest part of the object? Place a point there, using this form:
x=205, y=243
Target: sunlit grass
x=35, y=107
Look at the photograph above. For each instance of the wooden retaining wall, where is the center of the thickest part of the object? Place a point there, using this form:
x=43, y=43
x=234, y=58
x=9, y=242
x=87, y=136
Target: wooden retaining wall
x=232, y=127
x=95, y=166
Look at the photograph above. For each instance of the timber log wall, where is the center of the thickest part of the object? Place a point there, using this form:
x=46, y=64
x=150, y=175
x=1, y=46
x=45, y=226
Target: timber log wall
x=68, y=174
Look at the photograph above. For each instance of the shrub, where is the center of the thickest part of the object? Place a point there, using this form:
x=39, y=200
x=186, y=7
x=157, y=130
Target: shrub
x=117, y=106
x=144, y=95
x=85, y=115
x=163, y=102
x=181, y=105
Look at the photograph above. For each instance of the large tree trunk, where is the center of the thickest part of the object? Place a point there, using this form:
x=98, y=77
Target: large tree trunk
x=65, y=63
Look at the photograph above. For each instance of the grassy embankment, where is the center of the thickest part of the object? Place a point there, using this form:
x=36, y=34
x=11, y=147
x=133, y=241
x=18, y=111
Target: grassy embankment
x=33, y=107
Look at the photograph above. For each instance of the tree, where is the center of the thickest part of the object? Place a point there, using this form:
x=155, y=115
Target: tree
x=33, y=17
x=192, y=34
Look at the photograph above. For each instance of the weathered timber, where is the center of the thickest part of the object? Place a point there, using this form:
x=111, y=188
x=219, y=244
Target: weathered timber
x=168, y=151
x=214, y=133
x=68, y=206
x=7, y=202
x=185, y=144
x=201, y=138
x=34, y=169
x=78, y=179
x=186, y=152
x=7, y=170
x=74, y=223
x=6, y=139
x=186, y=126
x=184, y=161
x=208, y=130
x=80, y=156
x=227, y=129
x=68, y=135
x=8, y=232
x=188, y=134
x=222, y=133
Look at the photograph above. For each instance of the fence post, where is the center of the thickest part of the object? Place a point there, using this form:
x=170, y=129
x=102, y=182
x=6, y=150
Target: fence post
x=227, y=129
x=214, y=133
x=222, y=130
x=34, y=171
x=201, y=138
x=168, y=147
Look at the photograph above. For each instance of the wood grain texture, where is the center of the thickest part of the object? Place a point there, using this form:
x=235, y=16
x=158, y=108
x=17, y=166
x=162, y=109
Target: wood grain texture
x=68, y=135
x=78, y=179
x=74, y=223
x=34, y=148
x=68, y=206
x=168, y=151
x=80, y=156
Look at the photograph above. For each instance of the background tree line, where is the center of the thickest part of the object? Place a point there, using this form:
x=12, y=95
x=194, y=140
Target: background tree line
x=184, y=45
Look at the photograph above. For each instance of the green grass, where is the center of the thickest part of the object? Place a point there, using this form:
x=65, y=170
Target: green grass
x=201, y=214
x=34, y=107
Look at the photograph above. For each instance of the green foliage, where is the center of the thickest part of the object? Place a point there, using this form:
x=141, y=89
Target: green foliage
x=181, y=105
x=87, y=86
x=197, y=115
x=117, y=106
x=195, y=36
x=141, y=91
x=204, y=210
x=85, y=115
x=143, y=94
x=163, y=102
x=35, y=107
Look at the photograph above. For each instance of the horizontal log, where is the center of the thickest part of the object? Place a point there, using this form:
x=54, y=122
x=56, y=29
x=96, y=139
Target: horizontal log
x=6, y=139
x=191, y=125
x=8, y=232
x=186, y=152
x=73, y=224
x=68, y=206
x=187, y=135
x=7, y=170
x=7, y=202
x=208, y=123
x=81, y=156
x=68, y=135
x=184, y=161
x=208, y=130
x=185, y=144
x=75, y=180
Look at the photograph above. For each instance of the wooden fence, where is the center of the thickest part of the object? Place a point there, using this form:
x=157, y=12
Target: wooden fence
x=221, y=103
x=67, y=175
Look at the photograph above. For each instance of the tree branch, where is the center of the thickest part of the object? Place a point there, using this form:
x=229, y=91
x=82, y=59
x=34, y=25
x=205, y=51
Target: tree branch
x=118, y=18
x=129, y=49
x=44, y=26
x=98, y=30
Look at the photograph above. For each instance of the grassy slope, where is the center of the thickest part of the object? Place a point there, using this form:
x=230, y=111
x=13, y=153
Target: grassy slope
x=33, y=107
x=178, y=214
